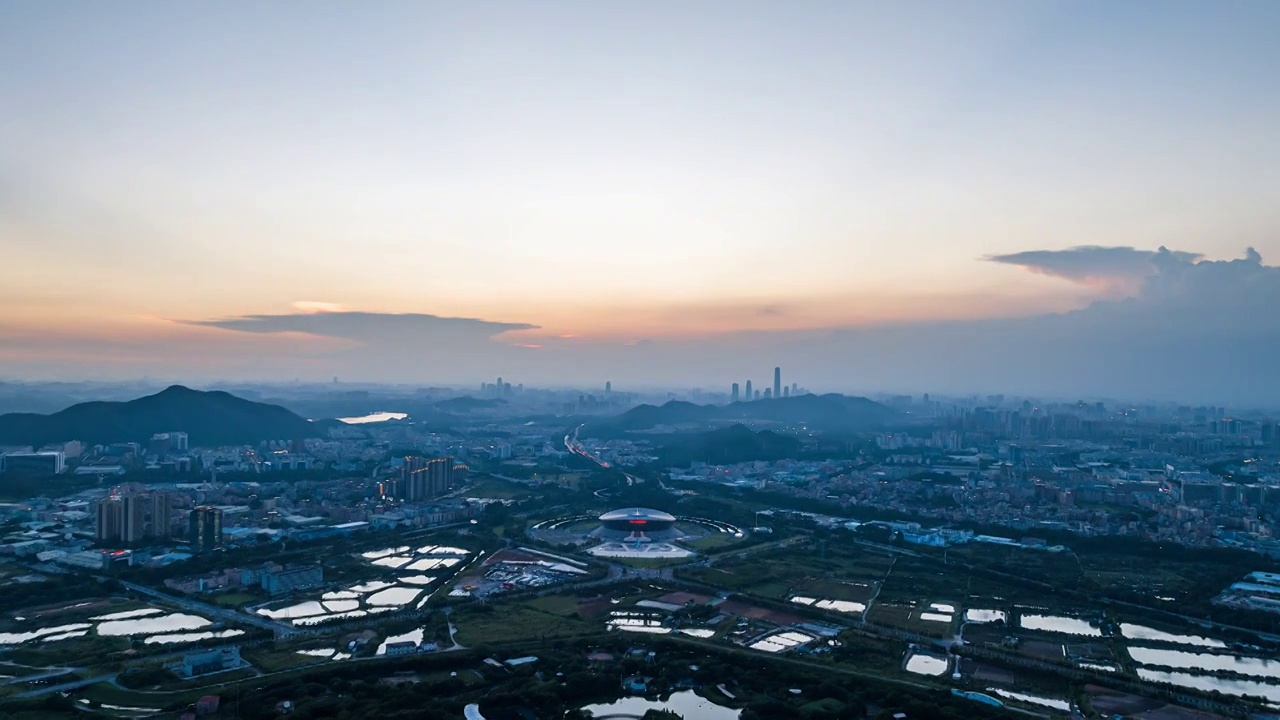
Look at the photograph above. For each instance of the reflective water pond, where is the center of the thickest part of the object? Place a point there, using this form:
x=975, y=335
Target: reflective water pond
x=1142, y=632
x=413, y=636
x=21, y=637
x=1048, y=702
x=169, y=639
x=782, y=641
x=980, y=615
x=128, y=614
x=152, y=625
x=394, y=596
x=1209, y=683
x=64, y=636
x=303, y=609
x=159, y=626
x=375, y=595
x=1059, y=624
x=636, y=622
x=385, y=552
x=370, y=586
x=925, y=664
x=686, y=704
x=374, y=418
x=1208, y=662
x=844, y=606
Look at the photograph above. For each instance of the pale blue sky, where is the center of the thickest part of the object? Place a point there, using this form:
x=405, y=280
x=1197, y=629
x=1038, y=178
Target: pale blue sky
x=613, y=170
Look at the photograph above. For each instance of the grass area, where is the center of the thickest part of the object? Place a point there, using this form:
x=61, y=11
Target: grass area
x=275, y=660
x=891, y=615
x=235, y=599
x=86, y=651
x=494, y=624
x=838, y=573
x=492, y=487
x=830, y=706
x=561, y=605
x=824, y=589
x=178, y=696
x=713, y=541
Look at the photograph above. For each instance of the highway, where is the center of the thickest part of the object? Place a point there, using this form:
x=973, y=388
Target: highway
x=573, y=445
x=63, y=687
x=281, y=630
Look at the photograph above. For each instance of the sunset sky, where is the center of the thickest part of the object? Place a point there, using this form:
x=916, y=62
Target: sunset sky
x=602, y=174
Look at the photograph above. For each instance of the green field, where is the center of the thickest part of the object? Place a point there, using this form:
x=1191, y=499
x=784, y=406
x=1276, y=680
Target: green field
x=495, y=624
x=488, y=486
x=235, y=599
x=561, y=605
x=839, y=573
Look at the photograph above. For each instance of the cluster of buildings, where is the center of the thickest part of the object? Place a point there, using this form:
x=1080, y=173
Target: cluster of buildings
x=1258, y=591
x=747, y=394
x=421, y=479
x=130, y=517
x=274, y=578
x=1182, y=474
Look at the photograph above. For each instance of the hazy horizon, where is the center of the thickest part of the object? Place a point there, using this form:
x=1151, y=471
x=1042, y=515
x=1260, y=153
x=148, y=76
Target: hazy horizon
x=1055, y=199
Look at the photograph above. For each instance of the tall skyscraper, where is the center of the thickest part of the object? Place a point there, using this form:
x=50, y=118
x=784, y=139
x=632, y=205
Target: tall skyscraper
x=109, y=518
x=129, y=518
x=439, y=476
x=204, y=529
x=749, y=395
x=733, y=394
x=608, y=387
x=161, y=516
x=786, y=392
x=135, y=525
x=422, y=479
x=777, y=382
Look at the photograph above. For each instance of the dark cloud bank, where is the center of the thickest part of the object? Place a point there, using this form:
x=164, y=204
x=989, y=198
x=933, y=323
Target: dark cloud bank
x=1194, y=330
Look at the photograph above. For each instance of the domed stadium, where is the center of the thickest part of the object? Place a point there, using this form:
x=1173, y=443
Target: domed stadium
x=638, y=524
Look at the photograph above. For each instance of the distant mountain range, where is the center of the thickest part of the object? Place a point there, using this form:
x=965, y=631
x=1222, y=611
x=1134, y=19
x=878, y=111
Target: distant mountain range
x=727, y=446
x=209, y=418
x=830, y=412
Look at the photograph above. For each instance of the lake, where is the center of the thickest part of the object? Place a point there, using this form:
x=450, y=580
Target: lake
x=374, y=418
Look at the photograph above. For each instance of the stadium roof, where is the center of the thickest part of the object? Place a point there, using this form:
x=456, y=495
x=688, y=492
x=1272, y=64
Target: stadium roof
x=637, y=513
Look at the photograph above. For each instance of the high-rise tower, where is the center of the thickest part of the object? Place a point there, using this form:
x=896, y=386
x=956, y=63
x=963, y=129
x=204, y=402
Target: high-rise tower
x=777, y=382
x=733, y=394
x=204, y=528
x=749, y=396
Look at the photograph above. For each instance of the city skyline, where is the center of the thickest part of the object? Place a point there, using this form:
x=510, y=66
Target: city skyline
x=878, y=201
